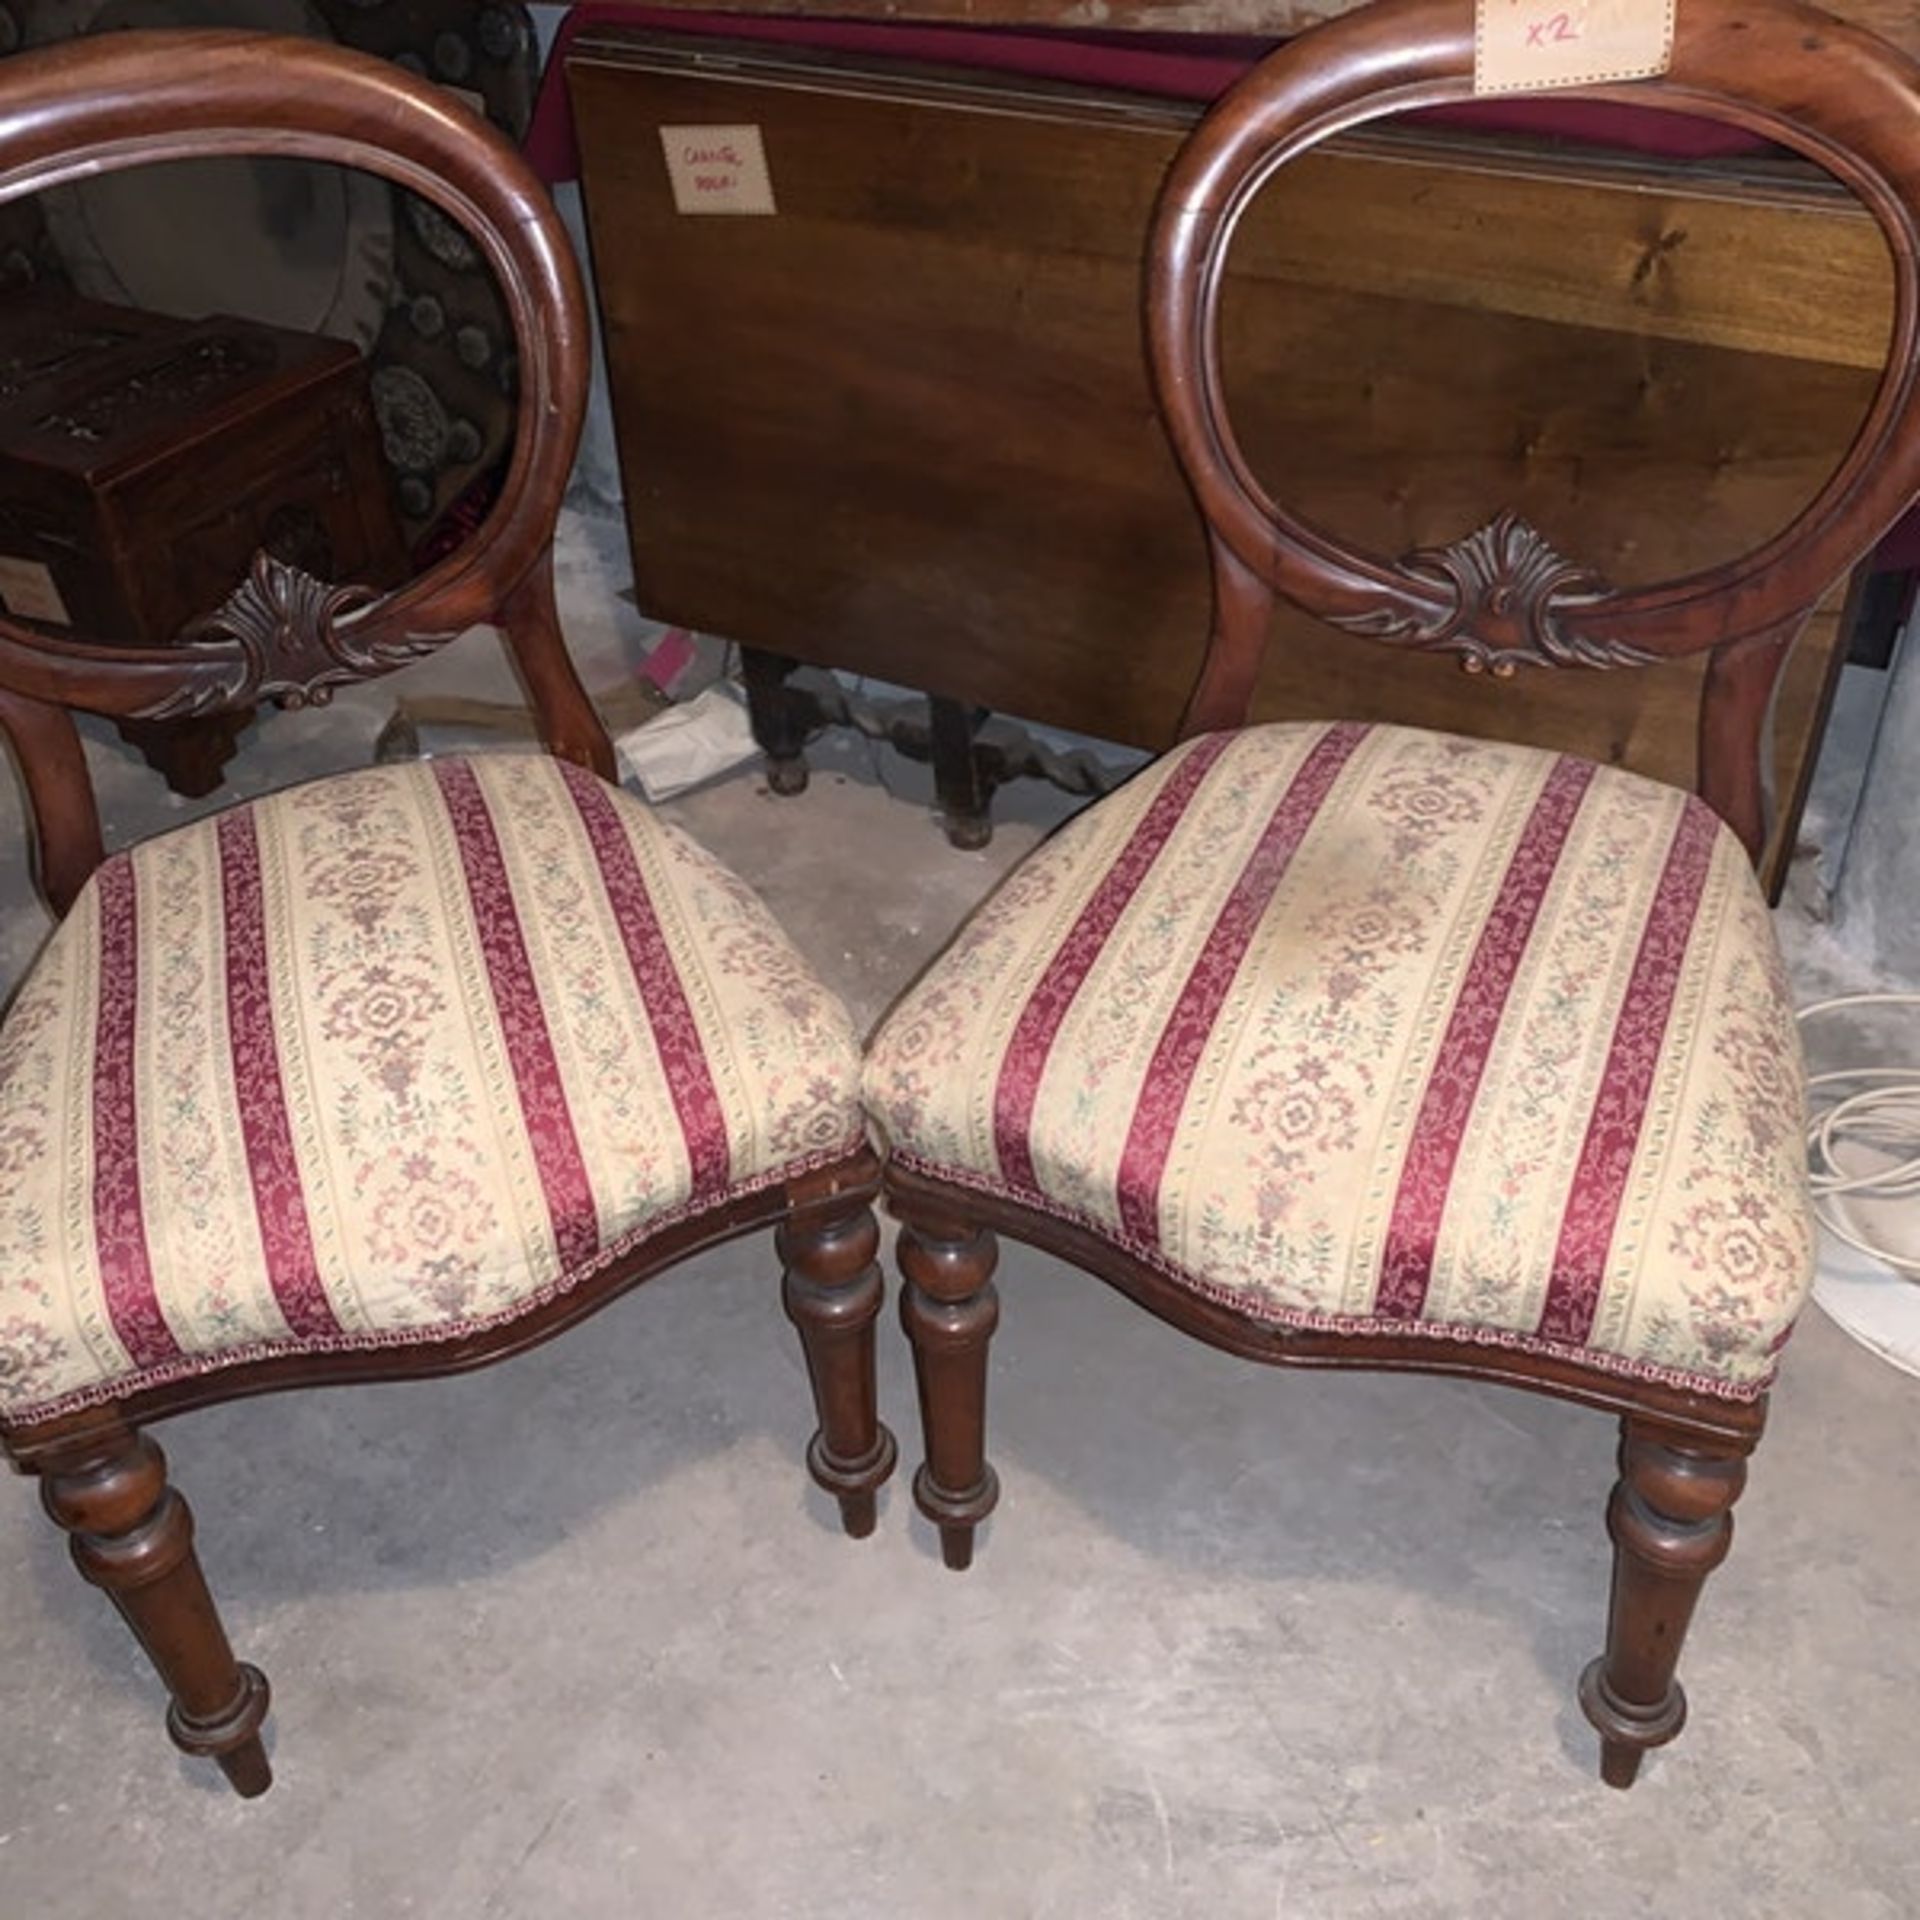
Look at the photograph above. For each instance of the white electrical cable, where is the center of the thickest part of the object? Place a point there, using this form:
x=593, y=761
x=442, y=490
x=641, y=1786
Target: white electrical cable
x=1872, y=1108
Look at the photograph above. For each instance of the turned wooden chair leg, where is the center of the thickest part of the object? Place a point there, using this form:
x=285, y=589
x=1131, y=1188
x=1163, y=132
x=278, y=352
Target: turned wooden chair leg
x=833, y=1291
x=949, y=1308
x=133, y=1538
x=1672, y=1523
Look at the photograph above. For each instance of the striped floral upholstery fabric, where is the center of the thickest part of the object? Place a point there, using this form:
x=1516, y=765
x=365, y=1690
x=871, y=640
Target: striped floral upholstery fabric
x=1383, y=1031
x=384, y=1058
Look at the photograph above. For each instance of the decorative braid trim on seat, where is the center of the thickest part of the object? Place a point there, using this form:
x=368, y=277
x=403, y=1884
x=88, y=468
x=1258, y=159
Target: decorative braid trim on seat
x=198, y=1366
x=1268, y=1314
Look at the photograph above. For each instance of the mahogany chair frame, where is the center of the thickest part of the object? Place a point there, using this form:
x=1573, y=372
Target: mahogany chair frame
x=135, y=99
x=1500, y=599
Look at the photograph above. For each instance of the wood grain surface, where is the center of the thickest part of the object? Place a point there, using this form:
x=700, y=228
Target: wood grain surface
x=904, y=426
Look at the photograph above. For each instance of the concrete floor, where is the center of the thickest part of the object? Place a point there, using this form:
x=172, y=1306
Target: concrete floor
x=576, y=1638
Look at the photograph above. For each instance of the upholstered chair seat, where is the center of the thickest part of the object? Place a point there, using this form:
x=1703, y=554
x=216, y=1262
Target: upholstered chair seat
x=1373, y=1030
x=389, y=1058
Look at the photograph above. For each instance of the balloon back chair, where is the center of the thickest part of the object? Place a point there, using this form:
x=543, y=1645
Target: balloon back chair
x=1342, y=1045
x=402, y=1071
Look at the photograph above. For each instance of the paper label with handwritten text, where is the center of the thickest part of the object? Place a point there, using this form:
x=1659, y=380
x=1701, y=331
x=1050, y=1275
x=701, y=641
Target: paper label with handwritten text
x=1527, y=46
x=718, y=169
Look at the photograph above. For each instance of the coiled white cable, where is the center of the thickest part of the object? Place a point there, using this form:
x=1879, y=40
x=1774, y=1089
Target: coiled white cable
x=1872, y=1108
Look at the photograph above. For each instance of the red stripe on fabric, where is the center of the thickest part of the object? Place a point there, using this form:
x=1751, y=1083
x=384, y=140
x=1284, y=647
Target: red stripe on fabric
x=279, y=1195
x=676, y=1036
x=1613, y=1132
x=523, y=1020
x=119, y=1220
x=1420, y=1203
x=1018, y=1085
x=1143, y=1160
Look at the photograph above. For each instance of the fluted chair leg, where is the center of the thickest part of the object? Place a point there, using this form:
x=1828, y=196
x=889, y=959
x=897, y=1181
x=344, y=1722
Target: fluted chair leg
x=132, y=1536
x=833, y=1291
x=1671, y=1522
x=949, y=1308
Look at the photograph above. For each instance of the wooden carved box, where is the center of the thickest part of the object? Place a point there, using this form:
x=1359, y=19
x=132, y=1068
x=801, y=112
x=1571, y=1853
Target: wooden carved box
x=144, y=460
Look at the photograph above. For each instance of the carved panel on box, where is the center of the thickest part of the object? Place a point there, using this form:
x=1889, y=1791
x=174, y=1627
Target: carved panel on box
x=199, y=370
x=36, y=360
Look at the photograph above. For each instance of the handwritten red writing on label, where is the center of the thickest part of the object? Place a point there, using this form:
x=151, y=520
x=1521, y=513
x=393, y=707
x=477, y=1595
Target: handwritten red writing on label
x=694, y=157
x=1539, y=32
x=718, y=169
